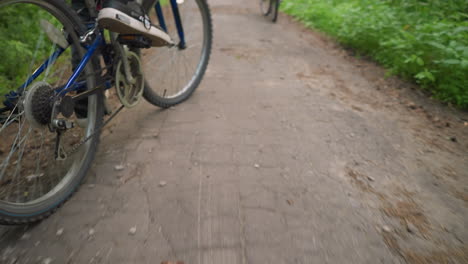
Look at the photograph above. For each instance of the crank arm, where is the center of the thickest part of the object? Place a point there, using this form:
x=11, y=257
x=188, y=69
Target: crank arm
x=122, y=52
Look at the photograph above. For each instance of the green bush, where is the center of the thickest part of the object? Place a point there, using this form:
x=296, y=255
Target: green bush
x=423, y=40
x=19, y=42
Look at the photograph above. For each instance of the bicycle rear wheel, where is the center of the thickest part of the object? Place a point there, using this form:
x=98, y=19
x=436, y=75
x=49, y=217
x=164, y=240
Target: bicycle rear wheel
x=33, y=184
x=173, y=73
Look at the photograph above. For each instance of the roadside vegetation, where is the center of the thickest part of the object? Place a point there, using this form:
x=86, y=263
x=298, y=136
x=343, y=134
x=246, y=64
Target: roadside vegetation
x=18, y=44
x=23, y=45
x=422, y=40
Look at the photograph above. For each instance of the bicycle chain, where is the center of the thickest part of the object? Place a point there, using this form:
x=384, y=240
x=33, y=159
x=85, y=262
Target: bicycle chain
x=75, y=148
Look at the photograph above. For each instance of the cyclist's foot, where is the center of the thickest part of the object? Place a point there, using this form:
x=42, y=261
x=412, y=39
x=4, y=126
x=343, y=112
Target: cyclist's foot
x=127, y=17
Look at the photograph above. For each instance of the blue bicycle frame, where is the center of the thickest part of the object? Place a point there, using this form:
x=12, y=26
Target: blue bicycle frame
x=99, y=41
x=178, y=21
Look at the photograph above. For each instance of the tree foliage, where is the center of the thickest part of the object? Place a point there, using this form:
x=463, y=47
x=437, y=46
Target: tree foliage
x=20, y=41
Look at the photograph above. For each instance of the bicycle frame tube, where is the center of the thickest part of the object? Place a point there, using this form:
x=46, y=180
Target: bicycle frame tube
x=41, y=69
x=91, y=49
x=160, y=15
x=70, y=86
x=177, y=19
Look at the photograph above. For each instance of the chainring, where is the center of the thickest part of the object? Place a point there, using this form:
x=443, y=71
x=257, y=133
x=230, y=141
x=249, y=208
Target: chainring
x=130, y=94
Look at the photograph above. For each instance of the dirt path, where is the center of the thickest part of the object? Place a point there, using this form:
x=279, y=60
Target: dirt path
x=291, y=151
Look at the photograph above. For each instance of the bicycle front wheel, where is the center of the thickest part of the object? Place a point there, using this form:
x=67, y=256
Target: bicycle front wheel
x=40, y=43
x=173, y=73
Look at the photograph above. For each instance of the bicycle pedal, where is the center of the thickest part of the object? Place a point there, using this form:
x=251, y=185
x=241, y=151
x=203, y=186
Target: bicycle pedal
x=137, y=41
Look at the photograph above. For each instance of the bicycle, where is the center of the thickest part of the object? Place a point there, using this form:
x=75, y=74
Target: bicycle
x=54, y=104
x=269, y=8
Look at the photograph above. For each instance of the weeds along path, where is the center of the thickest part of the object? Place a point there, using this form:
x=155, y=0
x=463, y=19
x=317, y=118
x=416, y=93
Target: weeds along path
x=426, y=42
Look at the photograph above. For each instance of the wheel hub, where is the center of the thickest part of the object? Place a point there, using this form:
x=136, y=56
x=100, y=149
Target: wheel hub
x=38, y=104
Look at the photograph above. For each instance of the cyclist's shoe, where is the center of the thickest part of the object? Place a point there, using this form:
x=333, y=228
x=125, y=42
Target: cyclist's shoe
x=128, y=17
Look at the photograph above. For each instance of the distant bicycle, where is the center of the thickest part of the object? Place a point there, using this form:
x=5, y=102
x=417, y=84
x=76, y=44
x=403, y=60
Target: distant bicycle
x=270, y=8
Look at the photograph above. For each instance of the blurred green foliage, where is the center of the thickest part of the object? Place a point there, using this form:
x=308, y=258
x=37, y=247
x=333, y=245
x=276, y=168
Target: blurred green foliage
x=423, y=40
x=21, y=40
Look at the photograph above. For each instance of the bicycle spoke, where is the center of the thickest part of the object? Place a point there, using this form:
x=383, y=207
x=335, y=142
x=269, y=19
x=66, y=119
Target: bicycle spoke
x=20, y=157
x=38, y=162
x=7, y=123
x=186, y=71
x=48, y=68
x=13, y=149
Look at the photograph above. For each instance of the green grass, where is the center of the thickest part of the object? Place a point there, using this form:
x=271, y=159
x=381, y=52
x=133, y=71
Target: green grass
x=164, y=2
x=422, y=40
